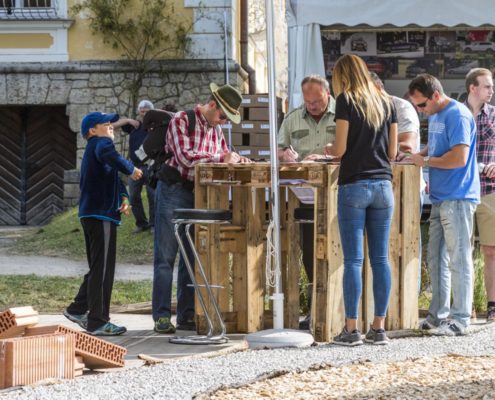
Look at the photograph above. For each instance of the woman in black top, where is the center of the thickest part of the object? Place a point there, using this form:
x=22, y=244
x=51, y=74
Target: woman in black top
x=366, y=141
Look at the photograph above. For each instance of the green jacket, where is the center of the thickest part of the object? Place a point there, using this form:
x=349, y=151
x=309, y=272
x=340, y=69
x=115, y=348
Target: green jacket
x=300, y=130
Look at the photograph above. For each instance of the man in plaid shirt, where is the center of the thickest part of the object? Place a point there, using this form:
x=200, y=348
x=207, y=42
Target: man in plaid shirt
x=479, y=86
x=205, y=143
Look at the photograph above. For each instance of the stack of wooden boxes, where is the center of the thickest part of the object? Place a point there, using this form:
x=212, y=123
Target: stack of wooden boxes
x=30, y=353
x=251, y=138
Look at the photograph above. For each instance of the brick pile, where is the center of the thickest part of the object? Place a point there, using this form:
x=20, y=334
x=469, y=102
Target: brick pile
x=30, y=353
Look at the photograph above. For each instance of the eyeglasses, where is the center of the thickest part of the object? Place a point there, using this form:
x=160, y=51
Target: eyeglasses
x=423, y=104
x=221, y=115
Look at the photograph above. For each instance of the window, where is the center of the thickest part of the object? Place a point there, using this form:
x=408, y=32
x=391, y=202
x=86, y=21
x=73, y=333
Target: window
x=29, y=9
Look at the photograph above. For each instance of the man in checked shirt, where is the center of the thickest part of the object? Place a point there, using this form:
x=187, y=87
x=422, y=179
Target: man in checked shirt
x=479, y=86
x=188, y=147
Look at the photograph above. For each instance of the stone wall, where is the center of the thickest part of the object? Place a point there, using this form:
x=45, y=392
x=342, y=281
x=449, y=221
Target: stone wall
x=101, y=86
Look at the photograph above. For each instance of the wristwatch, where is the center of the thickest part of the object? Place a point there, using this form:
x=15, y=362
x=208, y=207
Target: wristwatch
x=426, y=161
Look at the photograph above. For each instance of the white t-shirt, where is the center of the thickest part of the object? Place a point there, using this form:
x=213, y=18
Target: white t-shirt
x=407, y=117
x=408, y=121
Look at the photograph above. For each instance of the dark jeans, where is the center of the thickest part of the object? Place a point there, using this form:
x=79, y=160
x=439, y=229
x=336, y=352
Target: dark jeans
x=135, y=188
x=365, y=205
x=96, y=290
x=168, y=197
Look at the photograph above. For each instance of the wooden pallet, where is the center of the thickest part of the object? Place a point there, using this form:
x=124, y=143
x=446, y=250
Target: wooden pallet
x=328, y=313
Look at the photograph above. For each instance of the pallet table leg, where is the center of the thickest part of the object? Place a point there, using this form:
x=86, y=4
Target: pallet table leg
x=410, y=249
x=293, y=266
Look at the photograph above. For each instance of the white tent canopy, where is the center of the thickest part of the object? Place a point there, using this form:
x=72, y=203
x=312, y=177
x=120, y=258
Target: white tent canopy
x=403, y=13
x=304, y=18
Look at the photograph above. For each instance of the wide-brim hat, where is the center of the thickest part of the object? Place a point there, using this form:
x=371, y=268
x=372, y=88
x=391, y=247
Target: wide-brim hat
x=229, y=99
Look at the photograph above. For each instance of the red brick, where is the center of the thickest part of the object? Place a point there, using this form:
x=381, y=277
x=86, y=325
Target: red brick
x=26, y=360
x=96, y=352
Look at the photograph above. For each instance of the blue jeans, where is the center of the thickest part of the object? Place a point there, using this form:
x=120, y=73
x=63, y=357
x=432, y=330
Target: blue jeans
x=450, y=261
x=366, y=204
x=135, y=188
x=168, y=197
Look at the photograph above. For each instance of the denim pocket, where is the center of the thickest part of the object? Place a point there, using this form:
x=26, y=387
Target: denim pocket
x=387, y=194
x=354, y=194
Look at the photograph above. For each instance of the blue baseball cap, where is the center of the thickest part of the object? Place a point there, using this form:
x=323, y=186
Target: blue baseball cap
x=94, y=118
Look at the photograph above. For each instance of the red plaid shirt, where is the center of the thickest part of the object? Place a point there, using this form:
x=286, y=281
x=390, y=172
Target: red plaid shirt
x=485, y=145
x=207, y=144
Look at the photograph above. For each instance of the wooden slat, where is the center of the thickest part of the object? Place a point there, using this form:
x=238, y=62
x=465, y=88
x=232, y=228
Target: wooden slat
x=239, y=260
x=255, y=289
x=10, y=166
x=392, y=321
x=293, y=266
x=51, y=148
x=410, y=249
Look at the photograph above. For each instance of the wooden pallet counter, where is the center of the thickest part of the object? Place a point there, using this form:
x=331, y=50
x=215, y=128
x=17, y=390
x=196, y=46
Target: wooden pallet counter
x=234, y=255
x=238, y=251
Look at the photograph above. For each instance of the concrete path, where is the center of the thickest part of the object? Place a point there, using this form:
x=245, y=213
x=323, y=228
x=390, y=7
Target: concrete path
x=141, y=339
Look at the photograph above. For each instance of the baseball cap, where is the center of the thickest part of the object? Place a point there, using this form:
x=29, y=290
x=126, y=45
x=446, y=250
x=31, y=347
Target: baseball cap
x=94, y=118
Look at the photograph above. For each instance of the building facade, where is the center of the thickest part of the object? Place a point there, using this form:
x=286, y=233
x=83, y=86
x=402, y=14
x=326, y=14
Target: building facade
x=53, y=71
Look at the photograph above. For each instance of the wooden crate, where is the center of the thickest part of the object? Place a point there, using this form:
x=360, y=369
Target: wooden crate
x=328, y=312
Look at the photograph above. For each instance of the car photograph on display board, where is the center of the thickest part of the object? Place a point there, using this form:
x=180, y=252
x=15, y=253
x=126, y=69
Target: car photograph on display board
x=400, y=44
x=359, y=43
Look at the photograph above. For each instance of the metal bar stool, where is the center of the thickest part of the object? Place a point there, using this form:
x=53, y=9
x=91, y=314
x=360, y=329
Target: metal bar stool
x=188, y=217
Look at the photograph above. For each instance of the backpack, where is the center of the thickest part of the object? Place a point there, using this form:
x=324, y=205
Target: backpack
x=156, y=122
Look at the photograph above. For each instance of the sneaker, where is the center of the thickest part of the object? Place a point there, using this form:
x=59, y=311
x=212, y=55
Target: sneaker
x=427, y=326
x=490, y=315
x=163, y=325
x=348, y=339
x=109, y=329
x=188, y=325
x=377, y=336
x=305, y=323
x=79, y=319
x=140, y=229
x=450, y=328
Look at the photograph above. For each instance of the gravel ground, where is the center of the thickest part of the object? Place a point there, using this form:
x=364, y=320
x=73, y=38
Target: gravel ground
x=190, y=377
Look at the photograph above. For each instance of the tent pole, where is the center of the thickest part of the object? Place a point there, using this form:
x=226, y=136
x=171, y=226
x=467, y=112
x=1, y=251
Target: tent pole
x=278, y=295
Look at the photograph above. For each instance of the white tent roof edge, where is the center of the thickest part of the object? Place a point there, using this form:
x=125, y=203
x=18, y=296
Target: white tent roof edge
x=403, y=13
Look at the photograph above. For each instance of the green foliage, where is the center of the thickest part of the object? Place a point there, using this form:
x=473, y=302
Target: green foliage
x=143, y=30
x=53, y=294
x=479, y=297
x=63, y=237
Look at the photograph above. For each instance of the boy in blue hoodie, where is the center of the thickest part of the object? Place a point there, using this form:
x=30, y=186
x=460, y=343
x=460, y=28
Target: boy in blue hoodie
x=103, y=198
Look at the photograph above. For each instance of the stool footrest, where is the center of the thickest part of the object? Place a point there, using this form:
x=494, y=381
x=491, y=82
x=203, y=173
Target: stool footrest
x=212, y=286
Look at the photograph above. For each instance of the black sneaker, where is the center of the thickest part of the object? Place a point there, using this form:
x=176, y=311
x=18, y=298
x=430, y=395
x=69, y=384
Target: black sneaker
x=305, y=323
x=348, y=338
x=163, y=325
x=188, y=325
x=427, y=326
x=377, y=336
x=490, y=314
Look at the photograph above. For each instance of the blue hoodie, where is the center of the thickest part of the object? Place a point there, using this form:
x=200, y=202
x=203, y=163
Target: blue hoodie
x=100, y=185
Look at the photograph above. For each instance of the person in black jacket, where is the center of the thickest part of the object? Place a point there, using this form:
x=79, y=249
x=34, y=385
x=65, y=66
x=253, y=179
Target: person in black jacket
x=103, y=198
x=136, y=138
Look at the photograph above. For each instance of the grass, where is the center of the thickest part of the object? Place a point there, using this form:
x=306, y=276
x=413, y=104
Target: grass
x=63, y=237
x=54, y=294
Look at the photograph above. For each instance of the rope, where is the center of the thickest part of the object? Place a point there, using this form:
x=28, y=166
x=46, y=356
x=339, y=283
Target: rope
x=270, y=254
